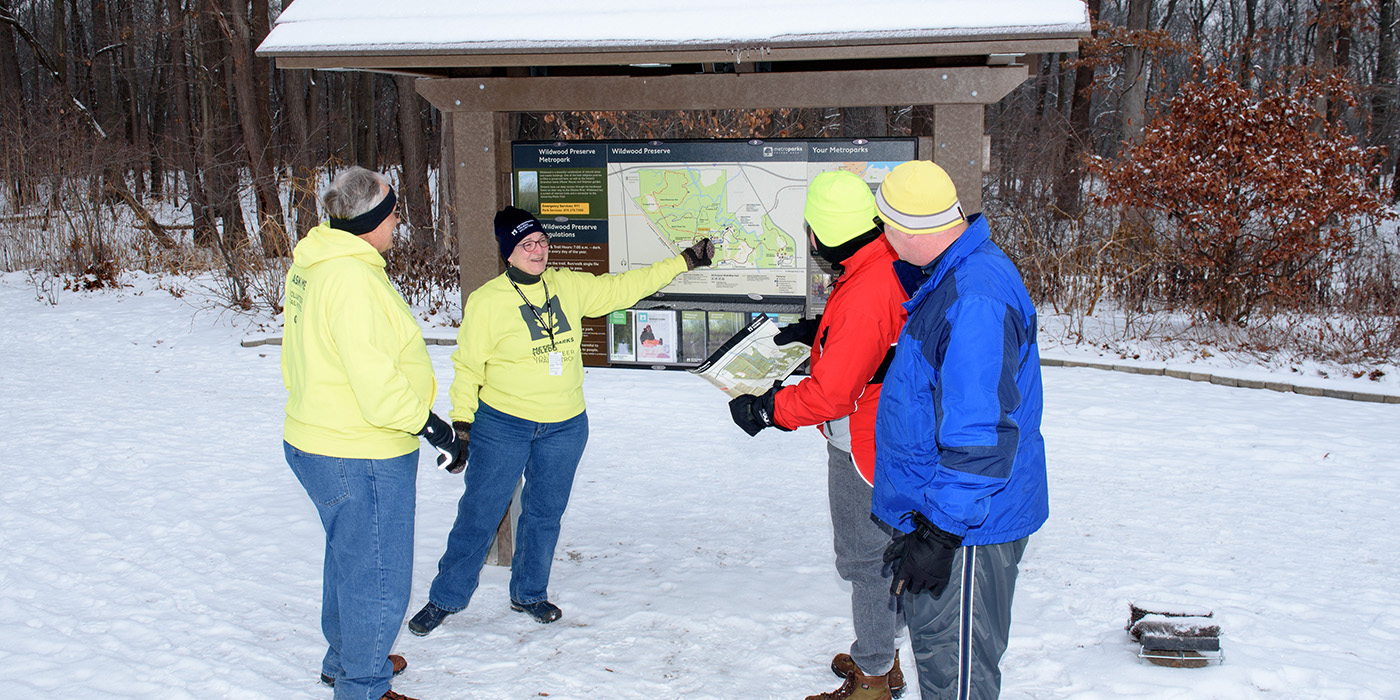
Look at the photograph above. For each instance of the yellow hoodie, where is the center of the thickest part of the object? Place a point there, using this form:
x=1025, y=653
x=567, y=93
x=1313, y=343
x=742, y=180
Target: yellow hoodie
x=502, y=354
x=353, y=356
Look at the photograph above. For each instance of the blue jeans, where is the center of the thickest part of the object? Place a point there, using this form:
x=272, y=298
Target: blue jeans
x=502, y=448
x=366, y=507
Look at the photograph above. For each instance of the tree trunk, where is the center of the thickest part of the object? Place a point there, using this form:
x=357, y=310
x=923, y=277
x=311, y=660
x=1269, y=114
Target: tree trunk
x=1250, y=29
x=156, y=153
x=102, y=70
x=1069, y=185
x=217, y=145
x=366, y=151
x=447, y=184
x=255, y=128
x=266, y=83
x=1342, y=62
x=184, y=133
x=1064, y=88
x=10, y=79
x=1385, y=99
x=18, y=186
x=1042, y=87
x=1134, y=101
x=414, y=182
x=129, y=85
x=303, y=170
x=60, y=42
x=1324, y=47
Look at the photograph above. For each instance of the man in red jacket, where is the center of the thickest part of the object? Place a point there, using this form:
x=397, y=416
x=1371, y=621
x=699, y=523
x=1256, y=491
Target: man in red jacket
x=851, y=346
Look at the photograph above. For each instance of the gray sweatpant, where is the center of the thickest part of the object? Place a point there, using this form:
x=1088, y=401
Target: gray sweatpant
x=860, y=542
x=959, y=637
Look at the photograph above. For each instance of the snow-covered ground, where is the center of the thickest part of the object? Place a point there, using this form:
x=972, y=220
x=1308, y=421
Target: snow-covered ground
x=153, y=543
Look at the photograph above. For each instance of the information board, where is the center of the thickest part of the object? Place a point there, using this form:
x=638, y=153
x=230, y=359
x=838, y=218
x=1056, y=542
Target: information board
x=620, y=205
x=614, y=206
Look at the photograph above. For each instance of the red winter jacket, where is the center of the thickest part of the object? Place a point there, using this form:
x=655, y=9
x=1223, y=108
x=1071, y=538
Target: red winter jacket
x=862, y=320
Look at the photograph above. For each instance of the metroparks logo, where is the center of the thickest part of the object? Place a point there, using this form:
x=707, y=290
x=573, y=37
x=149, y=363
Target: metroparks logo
x=533, y=322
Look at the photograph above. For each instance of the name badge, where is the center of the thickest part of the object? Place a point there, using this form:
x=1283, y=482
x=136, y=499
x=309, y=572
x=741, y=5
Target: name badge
x=556, y=364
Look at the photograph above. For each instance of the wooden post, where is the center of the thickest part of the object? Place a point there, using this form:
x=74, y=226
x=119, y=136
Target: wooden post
x=482, y=186
x=957, y=148
x=478, y=193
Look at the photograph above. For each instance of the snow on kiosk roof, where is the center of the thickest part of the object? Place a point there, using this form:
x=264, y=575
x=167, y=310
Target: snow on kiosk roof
x=610, y=32
x=479, y=61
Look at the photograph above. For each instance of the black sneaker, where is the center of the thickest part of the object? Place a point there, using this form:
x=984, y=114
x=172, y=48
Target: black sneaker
x=543, y=611
x=398, y=662
x=427, y=619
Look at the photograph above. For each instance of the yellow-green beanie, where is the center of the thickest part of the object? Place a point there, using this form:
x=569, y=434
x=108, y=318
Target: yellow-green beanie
x=839, y=207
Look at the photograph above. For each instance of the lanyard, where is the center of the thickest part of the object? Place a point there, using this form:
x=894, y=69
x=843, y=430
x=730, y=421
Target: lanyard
x=548, y=327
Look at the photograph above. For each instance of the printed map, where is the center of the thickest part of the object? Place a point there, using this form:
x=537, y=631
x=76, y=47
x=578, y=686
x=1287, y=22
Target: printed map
x=752, y=212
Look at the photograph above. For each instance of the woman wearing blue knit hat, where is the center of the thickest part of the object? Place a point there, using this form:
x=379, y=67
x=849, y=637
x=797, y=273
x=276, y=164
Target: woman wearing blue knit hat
x=517, y=407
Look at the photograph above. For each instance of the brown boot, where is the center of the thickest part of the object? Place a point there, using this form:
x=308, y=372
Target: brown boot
x=858, y=686
x=843, y=665
x=398, y=663
x=391, y=695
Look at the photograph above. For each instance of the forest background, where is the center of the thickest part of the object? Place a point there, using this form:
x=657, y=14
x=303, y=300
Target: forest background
x=1208, y=175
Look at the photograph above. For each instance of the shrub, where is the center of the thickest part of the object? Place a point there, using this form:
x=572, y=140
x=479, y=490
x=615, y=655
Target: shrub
x=1256, y=189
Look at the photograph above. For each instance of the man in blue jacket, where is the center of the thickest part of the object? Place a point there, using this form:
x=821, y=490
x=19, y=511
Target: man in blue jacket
x=959, y=459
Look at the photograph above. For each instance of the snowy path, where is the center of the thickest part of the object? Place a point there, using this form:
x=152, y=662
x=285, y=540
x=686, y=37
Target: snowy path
x=153, y=543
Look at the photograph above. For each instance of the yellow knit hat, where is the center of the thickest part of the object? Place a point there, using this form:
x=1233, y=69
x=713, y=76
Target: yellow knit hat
x=839, y=207
x=918, y=197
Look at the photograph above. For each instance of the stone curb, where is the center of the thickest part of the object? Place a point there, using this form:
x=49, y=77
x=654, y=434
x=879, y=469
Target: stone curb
x=255, y=341
x=1282, y=387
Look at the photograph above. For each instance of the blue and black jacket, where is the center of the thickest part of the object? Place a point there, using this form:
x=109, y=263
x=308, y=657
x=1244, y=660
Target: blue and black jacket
x=958, y=429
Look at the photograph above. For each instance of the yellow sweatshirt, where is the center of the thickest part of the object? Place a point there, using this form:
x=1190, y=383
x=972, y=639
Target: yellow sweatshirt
x=353, y=357
x=502, y=354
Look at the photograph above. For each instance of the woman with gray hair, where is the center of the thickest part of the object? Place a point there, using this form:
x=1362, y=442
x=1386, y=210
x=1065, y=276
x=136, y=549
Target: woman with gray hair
x=361, y=391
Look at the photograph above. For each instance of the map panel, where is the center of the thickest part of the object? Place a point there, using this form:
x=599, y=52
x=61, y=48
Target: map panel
x=752, y=212
x=614, y=206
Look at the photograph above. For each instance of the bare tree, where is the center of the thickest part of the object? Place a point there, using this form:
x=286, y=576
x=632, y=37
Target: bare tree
x=303, y=169
x=414, y=148
x=252, y=99
x=1068, y=186
x=1385, y=97
x=183, y=134
x=1133, y=103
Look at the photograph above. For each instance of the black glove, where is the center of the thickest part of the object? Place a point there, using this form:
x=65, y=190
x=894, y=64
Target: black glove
x=439, y=434
x=699, y=255
x=463, y=429
x=923, y=559
x=803, y=331
x=755, y=412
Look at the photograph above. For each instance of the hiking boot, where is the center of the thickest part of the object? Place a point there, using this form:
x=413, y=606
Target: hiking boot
x=398, y=662
x=543, y=611
x=858, y=686
x=843, y=665
x=427, y=619
x=391, y=695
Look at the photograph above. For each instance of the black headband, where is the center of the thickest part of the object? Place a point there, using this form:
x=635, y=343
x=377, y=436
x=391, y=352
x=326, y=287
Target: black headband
x=369, y=220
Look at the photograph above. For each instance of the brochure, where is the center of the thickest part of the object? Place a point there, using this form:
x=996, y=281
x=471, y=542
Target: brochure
x=750, y=362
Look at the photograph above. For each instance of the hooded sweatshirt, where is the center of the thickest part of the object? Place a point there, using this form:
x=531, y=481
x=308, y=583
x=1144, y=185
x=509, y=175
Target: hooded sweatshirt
x=353, y=357
x=503, y=350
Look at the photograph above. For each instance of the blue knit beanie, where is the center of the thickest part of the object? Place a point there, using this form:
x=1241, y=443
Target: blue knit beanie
x=512, y=225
